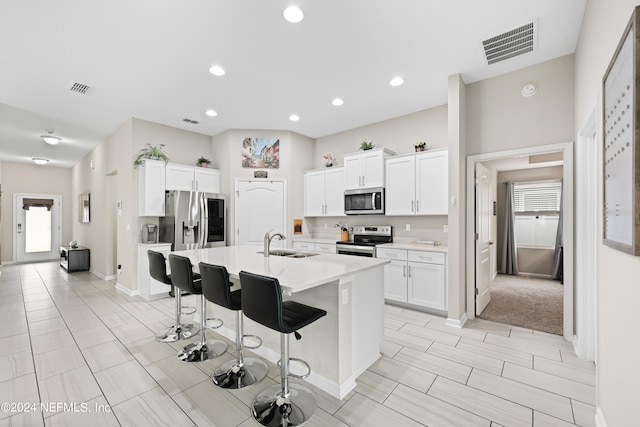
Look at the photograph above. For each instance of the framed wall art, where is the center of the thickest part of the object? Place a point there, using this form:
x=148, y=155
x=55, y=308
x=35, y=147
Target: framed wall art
x=261, y=153
x=621, y=158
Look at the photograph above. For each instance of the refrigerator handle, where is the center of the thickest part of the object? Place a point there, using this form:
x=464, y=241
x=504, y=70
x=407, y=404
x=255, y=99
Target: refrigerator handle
x=205, y=227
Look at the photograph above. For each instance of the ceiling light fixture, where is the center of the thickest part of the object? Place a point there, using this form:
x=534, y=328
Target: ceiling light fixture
x=529, y=89
x=293, y=14
x=50, y=138
x=294, y=118
x=396, y=81
x=39, y=161
x=211, y=113
x=337, y=102
x=217, y=70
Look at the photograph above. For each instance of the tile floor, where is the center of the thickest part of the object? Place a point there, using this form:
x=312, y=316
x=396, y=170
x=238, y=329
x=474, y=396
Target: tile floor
x=87, y=352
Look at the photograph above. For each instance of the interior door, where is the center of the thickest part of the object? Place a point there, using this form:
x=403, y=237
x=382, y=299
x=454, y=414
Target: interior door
x=260, y=207
x=483, y=237
x=37, y=226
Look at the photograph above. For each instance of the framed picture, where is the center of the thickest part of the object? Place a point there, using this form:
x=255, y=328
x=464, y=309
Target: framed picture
x=621, y=158
x=261, y=153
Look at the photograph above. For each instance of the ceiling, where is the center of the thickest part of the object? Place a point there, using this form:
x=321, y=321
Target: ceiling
x=149, y=59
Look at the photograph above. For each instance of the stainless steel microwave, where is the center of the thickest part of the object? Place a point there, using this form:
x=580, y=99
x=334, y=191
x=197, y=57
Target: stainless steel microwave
x=364, y=201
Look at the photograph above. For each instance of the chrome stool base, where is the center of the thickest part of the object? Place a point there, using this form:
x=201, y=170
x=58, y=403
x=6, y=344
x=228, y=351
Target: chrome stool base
x=271, y=408
x=177, y=333
x=199, y=352
x=233, y=376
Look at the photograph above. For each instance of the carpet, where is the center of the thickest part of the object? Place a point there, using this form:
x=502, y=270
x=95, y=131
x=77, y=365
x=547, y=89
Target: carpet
x=526, y=302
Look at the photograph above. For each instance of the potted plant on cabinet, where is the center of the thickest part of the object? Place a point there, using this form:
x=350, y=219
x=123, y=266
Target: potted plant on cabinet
x=366, y=145
x=420, y=146
x=203, y=162
x=151, y=152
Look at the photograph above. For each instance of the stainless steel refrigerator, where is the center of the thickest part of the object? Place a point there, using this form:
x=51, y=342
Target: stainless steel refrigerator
x=194, y=220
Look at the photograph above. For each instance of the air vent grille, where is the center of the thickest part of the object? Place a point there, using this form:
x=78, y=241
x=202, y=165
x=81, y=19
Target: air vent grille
x=193, y=122
x=79, y=88
x=512, y=43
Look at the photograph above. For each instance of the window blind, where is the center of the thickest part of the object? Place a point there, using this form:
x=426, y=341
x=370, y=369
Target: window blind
x=537, y=197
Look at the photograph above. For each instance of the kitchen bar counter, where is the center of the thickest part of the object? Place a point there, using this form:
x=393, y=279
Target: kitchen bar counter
x=340, y=346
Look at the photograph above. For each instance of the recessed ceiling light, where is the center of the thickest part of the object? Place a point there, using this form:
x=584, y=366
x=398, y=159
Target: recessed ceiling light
x=294, y=118
x=217, y=70
x=529, y=90
x=293, y=14
x=39, y=161
x=50, y=139
x=396, y=81
x=211, y=113
x=337, y=102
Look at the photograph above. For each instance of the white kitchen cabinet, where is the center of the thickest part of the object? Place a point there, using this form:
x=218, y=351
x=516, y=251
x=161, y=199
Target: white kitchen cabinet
x=366, y=169
x=148, y=287
x=192, y=178
x=415, y=277
x=304, y=246
x=324, y=192
x=151, y=187
x=417, y=184
x=327, y=248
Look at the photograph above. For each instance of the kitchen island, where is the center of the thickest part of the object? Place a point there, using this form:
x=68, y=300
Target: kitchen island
x=340, y=346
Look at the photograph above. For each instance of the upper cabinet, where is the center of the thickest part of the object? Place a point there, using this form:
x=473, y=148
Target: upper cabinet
x=366, y=169
x=324, y=192
x=417, y=184
x=151, y=186
x=192, y=178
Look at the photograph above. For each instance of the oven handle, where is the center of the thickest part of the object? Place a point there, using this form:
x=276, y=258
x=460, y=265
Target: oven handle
x=358, y=249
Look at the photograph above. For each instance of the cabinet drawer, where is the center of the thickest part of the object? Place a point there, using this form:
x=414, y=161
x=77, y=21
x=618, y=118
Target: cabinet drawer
x=399, y=254
x=425, y=256
x=303, y=246
x=326, y=248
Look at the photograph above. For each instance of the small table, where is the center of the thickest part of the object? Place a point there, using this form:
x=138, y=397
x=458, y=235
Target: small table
x=74, y=259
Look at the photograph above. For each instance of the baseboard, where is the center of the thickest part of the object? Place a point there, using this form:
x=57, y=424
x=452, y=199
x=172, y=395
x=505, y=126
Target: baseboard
x=457, y=323
x=125, y=290
x=8, y=262
x=536, y=275
x=600, y=422
x=100, y=275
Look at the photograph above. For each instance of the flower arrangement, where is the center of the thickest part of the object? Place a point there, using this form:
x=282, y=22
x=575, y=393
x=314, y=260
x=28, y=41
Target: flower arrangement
x=420, y=146
x=328, y=158
x=203, y=162
x=366, y=145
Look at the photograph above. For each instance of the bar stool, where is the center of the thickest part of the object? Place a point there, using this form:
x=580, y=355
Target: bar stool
x=158, y=270
x=241, y=372
x=182, y=278
x=285, y=404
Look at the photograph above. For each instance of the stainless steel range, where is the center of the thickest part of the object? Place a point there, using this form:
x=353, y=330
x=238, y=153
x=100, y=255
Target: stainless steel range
x=365, y=239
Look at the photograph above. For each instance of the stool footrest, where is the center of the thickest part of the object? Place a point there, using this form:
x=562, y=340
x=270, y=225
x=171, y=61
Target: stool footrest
x=213, y=323
x=299, y=361
x=187, y=309
x=252, y=347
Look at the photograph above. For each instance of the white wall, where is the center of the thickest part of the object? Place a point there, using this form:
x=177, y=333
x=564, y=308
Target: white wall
x=618, y=292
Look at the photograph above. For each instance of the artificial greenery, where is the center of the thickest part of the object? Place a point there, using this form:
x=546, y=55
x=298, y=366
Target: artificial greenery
x=203, y=159
x=420, y=144
x=150, y=152
x=366, y=145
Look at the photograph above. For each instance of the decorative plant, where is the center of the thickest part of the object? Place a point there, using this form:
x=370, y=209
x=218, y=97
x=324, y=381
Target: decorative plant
x=328, y=157
x=150, y=152
x=203, y=161
x=420, y=144
x=366, y=145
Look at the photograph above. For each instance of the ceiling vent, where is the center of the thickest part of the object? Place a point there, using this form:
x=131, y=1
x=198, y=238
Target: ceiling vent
x=512, y=43
x=79, y=88
x=193, y=122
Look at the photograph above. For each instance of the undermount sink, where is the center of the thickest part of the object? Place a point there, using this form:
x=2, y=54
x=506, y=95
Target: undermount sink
x=289, y=254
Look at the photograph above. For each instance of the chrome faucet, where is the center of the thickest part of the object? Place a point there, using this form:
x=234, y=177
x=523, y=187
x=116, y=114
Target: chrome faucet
x=267, y=241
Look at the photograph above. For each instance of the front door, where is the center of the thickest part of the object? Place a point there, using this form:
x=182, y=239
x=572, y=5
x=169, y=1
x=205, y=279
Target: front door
x=483, y=237
x=37, y=227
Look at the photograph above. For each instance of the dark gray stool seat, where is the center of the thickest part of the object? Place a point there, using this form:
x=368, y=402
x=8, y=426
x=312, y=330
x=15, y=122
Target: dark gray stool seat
x=285, y=404
x=182, y=278
x=241, y=372
x=158, y=270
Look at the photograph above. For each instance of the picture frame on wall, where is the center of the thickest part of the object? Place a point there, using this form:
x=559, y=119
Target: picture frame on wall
x=261, y=153
x=621, y=158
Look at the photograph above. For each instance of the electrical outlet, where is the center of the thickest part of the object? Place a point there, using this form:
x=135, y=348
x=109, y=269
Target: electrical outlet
x=445, y=228
x=407, y=227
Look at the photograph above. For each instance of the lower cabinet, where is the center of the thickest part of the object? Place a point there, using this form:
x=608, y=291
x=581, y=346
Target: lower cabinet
x=415, y=277
x=326, y=248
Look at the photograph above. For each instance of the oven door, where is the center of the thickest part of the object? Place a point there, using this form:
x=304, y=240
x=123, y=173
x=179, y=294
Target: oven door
x=364, y=201
x=366, y=251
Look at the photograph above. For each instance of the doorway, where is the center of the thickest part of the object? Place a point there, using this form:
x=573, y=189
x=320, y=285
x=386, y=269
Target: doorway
x=567, y=214
x=37, y=223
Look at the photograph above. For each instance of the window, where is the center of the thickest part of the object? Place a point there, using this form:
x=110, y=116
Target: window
x=537, y=209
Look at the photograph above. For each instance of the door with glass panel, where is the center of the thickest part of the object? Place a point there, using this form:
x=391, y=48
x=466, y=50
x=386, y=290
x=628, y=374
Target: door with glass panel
x=37, y=227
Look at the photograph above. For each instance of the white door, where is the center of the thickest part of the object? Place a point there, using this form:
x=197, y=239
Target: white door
x=37, y=225
x=395, y=281
x=432, y=192
x=314, y=190
x=353, y=171
x=426, y=285
x=400, y=194
x=373, y=167
x=483, y=237
x=334, y=192
x=260, y=207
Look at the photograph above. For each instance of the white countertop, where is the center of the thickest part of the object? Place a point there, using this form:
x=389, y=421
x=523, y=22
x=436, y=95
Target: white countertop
x=294, y=274
x=415, y=247
x=315, y=240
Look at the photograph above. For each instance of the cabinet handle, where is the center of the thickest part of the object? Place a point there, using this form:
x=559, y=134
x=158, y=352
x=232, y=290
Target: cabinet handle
x=409, y=271
x=412, y=206
x=417, y=206
x=363, y=181
x=404, y=271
